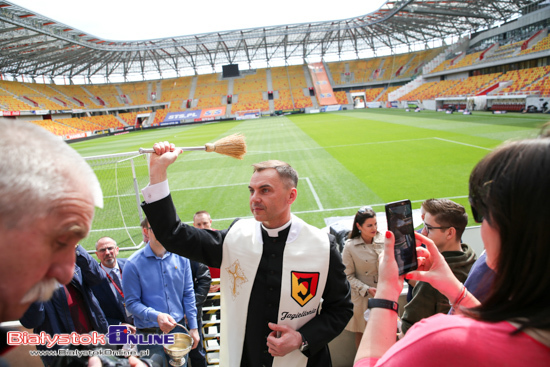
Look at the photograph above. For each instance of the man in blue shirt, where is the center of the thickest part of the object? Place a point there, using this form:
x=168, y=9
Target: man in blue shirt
x=158, y=291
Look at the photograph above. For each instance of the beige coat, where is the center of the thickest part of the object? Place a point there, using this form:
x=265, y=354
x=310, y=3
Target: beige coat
x=361, y=261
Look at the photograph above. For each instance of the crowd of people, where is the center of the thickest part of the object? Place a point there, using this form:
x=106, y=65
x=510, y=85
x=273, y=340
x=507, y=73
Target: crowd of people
x=286, y=289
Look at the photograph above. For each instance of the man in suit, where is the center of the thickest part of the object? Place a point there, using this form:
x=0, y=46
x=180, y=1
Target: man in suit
x=109, y=292
x=201, y=286
x=72, y=308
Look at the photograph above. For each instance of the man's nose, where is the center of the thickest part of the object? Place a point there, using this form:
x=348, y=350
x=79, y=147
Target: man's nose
x=62, y=268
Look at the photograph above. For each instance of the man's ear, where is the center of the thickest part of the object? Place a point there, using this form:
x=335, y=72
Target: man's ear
x=452, y=233
x=293, y=195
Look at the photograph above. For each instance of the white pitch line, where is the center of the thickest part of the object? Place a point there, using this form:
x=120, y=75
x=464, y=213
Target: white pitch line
x=457, y=142
x=314, y=194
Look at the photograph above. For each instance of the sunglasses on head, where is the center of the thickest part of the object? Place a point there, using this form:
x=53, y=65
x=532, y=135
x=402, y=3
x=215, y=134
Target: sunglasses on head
x=364, y=209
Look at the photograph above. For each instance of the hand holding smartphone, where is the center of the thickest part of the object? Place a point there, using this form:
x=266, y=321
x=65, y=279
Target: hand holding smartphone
x=400, y=222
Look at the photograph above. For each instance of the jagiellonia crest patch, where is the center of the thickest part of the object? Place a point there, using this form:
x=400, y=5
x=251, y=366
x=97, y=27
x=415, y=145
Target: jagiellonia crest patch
x=304, y=286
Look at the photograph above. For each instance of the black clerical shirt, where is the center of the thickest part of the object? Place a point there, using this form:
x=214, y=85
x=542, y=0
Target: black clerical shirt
x=206, y=246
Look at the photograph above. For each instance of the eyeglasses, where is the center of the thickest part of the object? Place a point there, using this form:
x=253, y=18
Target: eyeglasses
x=364, y=209
x=429, y=228
x=103, y=250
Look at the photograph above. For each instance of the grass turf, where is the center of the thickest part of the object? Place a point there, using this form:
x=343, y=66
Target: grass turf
x=345, y=160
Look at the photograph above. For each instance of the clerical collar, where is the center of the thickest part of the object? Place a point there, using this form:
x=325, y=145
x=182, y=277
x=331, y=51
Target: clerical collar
x=274, y=232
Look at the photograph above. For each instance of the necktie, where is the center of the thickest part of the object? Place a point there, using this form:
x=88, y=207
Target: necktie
x=116, y=280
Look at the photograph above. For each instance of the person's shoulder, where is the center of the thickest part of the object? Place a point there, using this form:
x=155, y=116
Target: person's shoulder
x=134, y=257
x=460, y=331
x=439, y=328
x=354, y=241
x=121, y=261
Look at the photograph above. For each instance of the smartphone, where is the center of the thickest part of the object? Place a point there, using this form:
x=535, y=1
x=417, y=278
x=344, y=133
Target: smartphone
x=400, y=222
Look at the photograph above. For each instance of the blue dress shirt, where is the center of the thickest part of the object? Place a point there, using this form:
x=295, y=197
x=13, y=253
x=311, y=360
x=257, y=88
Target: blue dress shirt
x=153, y=285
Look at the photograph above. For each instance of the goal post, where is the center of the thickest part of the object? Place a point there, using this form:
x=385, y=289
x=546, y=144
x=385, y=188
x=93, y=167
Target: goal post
x=248, y=114
x=121, y=177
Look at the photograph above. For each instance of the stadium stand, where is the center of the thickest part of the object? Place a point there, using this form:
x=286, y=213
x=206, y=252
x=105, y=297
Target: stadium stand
x=135, y=93
x=13, y=96
x=341, y=97
x=372, y=94
x=429, y=90
x=56, y=128
x=105, y=95
x=130, y=117
x=75, y=94
x=520, y=79
x=159, y=116
x=104, y=121
x=250, y=101
x=210, y=90
x=542, y=45
x=470, y=86
x=384, y=96
x=301, y=100
x=541, y=86
x=79, y=124
x=173, y=90
x=284, y=102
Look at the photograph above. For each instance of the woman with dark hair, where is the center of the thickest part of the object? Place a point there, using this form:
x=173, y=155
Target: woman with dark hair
x=509, y=196
x=360, y=257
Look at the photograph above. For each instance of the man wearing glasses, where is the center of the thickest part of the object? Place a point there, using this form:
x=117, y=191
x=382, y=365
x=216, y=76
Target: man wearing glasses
x=109, y=293
x=444, y=223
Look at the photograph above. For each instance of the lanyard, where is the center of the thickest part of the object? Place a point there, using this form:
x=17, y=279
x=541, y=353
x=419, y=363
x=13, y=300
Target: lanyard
x=113, y=282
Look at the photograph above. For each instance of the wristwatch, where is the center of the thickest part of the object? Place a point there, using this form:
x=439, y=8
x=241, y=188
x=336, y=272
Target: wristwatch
x=305, y=345
x=383, y=303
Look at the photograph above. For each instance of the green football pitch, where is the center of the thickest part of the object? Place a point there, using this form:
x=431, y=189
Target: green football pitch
x=344, y=159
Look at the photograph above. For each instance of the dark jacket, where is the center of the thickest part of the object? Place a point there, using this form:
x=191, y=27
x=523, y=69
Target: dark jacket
x=113, y=309
x=201, y=283
x=53, y=316
x=426, y=300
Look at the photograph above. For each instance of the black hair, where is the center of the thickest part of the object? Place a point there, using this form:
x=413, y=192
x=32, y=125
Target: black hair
x=509, y=188
x=362, y=215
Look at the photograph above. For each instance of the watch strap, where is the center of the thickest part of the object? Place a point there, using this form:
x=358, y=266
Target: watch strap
x=305, y=345
x=383, y=303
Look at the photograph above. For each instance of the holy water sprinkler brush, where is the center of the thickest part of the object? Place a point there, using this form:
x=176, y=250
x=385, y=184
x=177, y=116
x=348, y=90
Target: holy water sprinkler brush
x=232, y=146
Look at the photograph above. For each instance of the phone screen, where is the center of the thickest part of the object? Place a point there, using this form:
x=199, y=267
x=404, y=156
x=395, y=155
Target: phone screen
x=400, y=222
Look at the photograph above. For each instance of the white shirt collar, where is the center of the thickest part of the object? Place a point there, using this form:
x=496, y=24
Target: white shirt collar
x=274, y=232
x=109, y=270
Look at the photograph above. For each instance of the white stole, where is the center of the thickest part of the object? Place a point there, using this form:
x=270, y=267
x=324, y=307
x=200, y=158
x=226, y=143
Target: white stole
x=305, y=268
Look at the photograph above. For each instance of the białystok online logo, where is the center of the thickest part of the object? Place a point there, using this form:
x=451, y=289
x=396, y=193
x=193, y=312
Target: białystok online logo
x=117, y=335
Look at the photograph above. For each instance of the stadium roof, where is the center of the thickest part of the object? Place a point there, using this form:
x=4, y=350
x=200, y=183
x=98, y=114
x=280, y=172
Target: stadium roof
x=34, y=45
